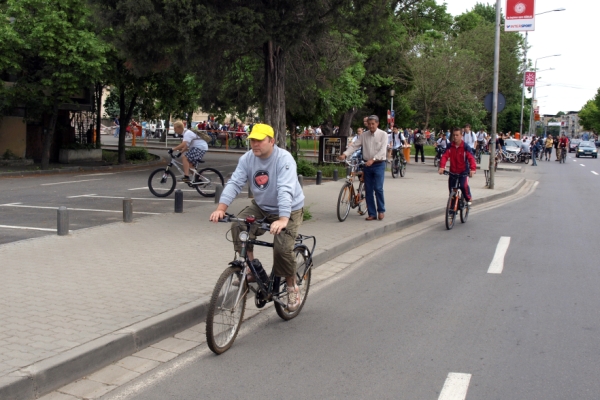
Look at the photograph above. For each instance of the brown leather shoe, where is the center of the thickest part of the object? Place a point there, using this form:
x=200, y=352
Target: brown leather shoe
x=370, y=218
x=380, y=216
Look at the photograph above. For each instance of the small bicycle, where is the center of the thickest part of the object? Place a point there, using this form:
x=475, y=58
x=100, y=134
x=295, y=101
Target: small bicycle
x=456, y=203
x=228, y=300
x=162, y=181
x=350, y=197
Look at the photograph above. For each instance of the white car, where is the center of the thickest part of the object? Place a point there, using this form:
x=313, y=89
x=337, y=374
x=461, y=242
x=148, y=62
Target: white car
x=513, y=146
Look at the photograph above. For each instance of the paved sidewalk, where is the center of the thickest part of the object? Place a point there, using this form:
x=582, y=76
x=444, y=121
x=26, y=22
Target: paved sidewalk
x=71, y=305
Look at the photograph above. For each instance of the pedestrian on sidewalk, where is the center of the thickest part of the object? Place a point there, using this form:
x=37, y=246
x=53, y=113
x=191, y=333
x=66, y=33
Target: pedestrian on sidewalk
x=116, y=124
x=278, y=196
x=419, y=146
x=535, y=149
x=374, y=145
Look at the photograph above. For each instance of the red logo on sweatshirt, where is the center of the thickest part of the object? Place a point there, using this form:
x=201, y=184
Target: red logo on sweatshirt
x=261, y=180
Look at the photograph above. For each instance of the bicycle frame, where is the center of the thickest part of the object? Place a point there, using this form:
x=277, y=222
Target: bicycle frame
x=354, y=193
x=193, y=170
x=456, y=192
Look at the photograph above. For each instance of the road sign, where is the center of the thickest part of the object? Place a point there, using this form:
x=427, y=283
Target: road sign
x=488, y=100
x=520, y=15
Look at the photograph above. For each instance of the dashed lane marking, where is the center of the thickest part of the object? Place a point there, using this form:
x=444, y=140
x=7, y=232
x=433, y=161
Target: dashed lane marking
x=582, y=165
x=455, y=387
x=28, y=228
x=62, y=183
x=594, y=172
x=81, y=195
x=73, y=209
x=93, y=196
x=497, y=264
x=98, y=174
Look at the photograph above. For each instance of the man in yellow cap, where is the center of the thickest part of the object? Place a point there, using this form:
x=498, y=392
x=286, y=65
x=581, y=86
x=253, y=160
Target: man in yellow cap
x=272, y=176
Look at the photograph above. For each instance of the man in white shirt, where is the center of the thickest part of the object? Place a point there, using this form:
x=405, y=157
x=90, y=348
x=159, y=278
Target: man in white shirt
x=396, y=141
x=481, y=139
x=469, y=138
x=194, y=146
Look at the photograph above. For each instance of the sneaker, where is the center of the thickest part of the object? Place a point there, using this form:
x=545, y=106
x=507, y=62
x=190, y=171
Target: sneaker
x=186, y=179
x=294, y=299
x=469, y=203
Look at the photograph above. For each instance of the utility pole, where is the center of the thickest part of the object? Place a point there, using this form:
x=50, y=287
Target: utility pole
x=495, y=95
x=523, y=89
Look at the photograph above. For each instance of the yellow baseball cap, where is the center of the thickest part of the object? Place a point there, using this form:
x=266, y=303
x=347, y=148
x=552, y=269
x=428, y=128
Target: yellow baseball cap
x=261, y=131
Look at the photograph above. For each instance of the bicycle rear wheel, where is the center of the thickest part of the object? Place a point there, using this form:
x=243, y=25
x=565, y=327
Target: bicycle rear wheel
x=208, y=179
x=303, y=275
x=450, y=213
x=344, y=202
x=224, y=315
x=402, y=170
x=362, y=199
x=161, y=182
x=464, y=211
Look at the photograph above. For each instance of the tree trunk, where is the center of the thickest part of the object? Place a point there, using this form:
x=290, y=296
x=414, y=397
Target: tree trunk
x=98, y=99
x=346, y=122
x=327, y=127
x=124, y=118
x=293, y=140
x=48, y=134
x=275, y=91
x=163, y=136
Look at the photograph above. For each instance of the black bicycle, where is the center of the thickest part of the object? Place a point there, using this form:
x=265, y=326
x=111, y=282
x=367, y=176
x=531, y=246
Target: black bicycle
x=228, y=300
x=162, y=181
x=456, y=203
x=398, y=166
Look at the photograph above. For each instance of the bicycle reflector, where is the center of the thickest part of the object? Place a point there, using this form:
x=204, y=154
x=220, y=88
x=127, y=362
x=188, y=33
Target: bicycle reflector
x=244, y=236
x=251, y=219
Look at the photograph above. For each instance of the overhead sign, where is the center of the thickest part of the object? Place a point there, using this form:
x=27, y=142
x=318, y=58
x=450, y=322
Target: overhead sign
x=520, y=15
x=530, y=79
x=554, y=123
x=488, y=101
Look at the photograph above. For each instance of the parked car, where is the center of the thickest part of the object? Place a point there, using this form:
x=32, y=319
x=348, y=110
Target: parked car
x=586, y=149
x=573, y=145
x=513, y=145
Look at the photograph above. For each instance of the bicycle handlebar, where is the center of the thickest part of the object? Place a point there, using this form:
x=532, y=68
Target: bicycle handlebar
x=249, y=220
x=170, y=151
x=453, y=174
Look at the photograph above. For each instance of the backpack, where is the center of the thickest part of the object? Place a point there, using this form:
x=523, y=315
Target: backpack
x=202, y=135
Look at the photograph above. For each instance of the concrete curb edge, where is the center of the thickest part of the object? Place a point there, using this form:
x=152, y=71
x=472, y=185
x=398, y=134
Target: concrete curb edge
x=47, y=375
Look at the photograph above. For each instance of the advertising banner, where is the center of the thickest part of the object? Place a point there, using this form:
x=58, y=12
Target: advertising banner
x=554, y=124
x=520, y=15
x=529, y=79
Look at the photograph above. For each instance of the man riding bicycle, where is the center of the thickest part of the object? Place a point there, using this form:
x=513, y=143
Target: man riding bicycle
x=461, y=162
x=481, y=140
x=272, y=176
x=194, y=146
x=563, y=143
x=396, y=141
x=441, y=145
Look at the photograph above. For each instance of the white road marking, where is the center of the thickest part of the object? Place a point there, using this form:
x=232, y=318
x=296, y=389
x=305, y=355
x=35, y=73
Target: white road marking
x=144, y=198
x=145, y=187
x=497, y=264
x=582, y=165
x=28, y=228
x=60, y=183
x=73, y=209
x=455, y=387
x=594, y=172
x=98, y=174
x=82, y=195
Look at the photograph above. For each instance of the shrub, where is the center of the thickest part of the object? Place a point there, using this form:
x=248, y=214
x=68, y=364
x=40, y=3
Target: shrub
x=137, y=153
x=306, y=168
x=109, y=157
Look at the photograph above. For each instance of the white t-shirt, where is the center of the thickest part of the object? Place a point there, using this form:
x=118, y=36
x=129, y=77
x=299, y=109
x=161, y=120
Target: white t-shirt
x=469, y=138
x=442, y=143
x=396, y=140
x=481, y=136
x=194, y=140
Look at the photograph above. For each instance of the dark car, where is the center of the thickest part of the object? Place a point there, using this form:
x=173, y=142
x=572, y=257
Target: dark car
x=587, y=149
x=573, y=144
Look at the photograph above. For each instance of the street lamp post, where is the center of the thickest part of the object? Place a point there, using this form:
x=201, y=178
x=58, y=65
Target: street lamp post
x=392, y=93
x=525, y=67
x=531, y=119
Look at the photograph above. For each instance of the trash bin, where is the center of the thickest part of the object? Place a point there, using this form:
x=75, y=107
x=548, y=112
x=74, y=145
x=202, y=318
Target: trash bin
x=406, y=151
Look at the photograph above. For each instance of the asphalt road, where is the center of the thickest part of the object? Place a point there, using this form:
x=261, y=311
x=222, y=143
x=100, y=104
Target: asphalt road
x=28, y=205
x=399, y=324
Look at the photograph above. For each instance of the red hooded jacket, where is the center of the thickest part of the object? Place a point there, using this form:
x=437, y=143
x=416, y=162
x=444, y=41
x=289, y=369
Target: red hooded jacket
x=458, y=159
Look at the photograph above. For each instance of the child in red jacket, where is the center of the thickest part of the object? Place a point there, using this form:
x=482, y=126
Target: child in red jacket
x=461, y=162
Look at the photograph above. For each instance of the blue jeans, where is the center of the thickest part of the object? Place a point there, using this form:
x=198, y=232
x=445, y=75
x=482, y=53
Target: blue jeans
x=534, y=155
x=374, y=185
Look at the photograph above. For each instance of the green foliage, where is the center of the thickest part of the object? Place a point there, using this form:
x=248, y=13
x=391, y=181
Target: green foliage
x=306, y=168
x=9, y=155
x=138, y=153
x=79, y=146
x=589, y=116
x=306, y=215
x=110, y=157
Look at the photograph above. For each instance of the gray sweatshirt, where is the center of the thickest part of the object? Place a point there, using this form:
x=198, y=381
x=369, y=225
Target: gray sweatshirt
x=274, y=182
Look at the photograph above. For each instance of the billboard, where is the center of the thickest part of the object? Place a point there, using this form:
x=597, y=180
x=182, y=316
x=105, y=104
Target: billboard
x=529, y=79
x=520, y=15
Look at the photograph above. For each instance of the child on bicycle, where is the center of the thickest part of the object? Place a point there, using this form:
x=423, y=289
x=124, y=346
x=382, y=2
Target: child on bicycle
x=461, y=162
x=396, y=141
x=194, y=146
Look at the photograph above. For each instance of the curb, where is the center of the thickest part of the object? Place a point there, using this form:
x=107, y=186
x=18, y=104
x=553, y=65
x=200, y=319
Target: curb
x=67, y=170
x=47, y=375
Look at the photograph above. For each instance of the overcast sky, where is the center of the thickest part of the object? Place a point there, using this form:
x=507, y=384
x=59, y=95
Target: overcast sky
x=573, y=34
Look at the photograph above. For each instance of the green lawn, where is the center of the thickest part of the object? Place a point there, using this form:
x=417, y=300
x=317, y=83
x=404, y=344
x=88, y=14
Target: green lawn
x=309, y=146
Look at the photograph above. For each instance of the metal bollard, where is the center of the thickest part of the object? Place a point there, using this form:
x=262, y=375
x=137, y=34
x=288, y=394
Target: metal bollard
x=178, y=201
x=335, y=175
x=301, y=180
x=127, y=210
x=218, y=191
x=319, y=177
x=62, y=221
x=250, y=194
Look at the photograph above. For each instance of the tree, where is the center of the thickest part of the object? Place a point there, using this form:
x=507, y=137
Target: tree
x=59, y=56
x=589, y=116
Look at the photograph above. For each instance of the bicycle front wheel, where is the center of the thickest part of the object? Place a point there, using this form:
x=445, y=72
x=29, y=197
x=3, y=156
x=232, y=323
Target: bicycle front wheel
x=395, y=167
x=344, y=202
x=303, y=275
x=464, y=212
x=161, y=182
x=206, y=181
x=450, y=213
x=225, y=315
x=512, y=157
x=402, y=170
x=362, y=199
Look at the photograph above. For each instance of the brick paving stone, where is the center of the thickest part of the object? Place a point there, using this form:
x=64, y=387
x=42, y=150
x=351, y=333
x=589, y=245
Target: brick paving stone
x=113, y=375
x=87, y=389
x=137, y=364
x=103, y=286
x=58, y=396
x=175, y=345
